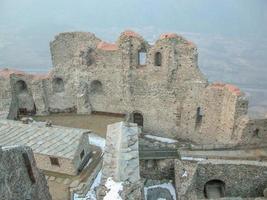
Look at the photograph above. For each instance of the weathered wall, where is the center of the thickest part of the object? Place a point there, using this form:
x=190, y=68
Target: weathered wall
x=59, y=191
x=251, y=131
x=20, y=179
x=99, y=76
x=66, y=166
x=221, y=105
x=241, y=178
x=5, y=95
x=121, y=160
x=157, y=169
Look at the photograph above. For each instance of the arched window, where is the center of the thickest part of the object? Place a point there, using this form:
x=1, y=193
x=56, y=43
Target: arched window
x=58, y=85
x=96, y=87
x=21, y=86
x=142, y=57
x=138, y=119
x=214, y=189
x=158, y=59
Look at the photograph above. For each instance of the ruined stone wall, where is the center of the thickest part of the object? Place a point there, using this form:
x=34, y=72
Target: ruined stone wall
x=251, y=131
x=241, y=178
x=5, y=96
x=91, y=75
x=157, y=169
x=219, y=106
x=128, y=87
x=19, y=176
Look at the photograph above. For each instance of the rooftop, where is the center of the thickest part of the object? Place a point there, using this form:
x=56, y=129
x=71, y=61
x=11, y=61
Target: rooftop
x=54, y=141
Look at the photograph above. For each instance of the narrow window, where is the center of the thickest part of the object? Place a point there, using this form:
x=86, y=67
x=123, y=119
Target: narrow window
x=138, y=119
x=256, y=132
x=199, y=117
x=54, y=161
x=58, y=85
x=82, y=154
x=158, y=59
x=141, y=58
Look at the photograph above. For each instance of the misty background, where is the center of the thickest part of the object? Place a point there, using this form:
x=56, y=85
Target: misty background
x=231, y=35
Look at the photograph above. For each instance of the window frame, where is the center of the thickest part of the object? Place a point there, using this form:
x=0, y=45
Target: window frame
x=142, y=58
x=54, y=161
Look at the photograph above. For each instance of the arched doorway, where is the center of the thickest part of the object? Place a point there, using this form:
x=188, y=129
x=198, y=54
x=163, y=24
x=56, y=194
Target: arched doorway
x=96, y=87
x=25, y=100
x=58, y=85
x=138, y=119
x=214, y=189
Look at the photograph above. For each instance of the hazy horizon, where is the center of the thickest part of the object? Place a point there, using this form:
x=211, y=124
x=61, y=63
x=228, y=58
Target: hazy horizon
x=231, y=35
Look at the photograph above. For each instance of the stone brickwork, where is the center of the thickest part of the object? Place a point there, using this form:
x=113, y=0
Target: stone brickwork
x=19, y=176
x=121, y=160
x=237, y=178
x=165, y=86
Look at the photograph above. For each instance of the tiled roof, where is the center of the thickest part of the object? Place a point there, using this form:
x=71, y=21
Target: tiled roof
x=54, y=141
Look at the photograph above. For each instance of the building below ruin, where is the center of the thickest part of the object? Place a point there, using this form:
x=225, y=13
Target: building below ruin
x=63, y=154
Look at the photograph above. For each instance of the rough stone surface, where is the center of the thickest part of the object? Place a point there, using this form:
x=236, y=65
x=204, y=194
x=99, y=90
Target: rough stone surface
x=243, y=179
x=20, y=179
x=121, y=160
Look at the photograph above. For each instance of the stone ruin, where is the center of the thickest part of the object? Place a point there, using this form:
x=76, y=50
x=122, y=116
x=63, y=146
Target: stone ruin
x=19, y=176
x=157, y=86
x=150, y=83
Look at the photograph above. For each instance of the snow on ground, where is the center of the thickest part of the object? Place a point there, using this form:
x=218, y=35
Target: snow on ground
x=113, y=190
x=91, y=195
x=3, y=115
x=161, y=139
x=191, y=158
x=97, y=141
x=167, y=186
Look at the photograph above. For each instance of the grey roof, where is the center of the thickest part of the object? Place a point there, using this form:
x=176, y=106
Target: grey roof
x=54, y=141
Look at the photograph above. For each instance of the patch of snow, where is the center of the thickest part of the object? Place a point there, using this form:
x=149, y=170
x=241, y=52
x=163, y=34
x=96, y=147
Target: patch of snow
x=97, y=141
x=168, y=186
x=191, y=158
x=91, y=195
x=185, y=174
x=113, y=190
x=161, y=139
x=3, y=115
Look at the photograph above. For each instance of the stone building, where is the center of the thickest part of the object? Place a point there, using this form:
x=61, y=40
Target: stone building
x=19, y=176
x=63, y=154
x=158, y=86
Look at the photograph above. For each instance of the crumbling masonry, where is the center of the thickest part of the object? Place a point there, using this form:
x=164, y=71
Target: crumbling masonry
x=159, y=86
